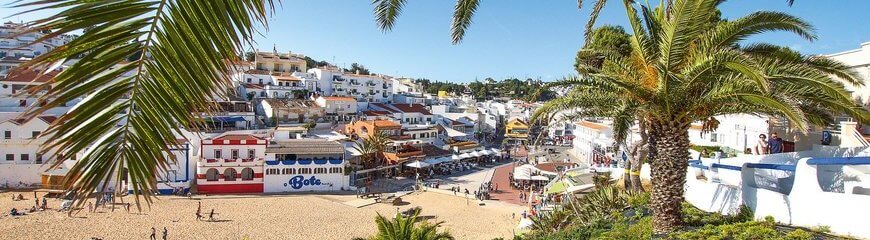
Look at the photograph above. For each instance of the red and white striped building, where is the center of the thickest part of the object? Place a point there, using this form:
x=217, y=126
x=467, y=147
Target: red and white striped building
x=231, y=163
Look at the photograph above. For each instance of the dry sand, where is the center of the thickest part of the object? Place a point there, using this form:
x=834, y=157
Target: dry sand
x=253, y=217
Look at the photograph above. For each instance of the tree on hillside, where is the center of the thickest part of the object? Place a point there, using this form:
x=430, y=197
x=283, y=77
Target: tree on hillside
x=684, y=67
x=358, y=69
x=250, y=56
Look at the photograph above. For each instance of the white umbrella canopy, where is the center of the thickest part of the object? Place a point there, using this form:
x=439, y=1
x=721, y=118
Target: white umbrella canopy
x=474, y=154
x=456, y=157
x=540, y=178
x=417, y=164
x=486, y=152
x=464, y=155
x=496, y=151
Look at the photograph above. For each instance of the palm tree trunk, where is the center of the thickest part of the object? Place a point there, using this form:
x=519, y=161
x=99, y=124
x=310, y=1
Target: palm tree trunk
x=638, y=153
x=669, y=174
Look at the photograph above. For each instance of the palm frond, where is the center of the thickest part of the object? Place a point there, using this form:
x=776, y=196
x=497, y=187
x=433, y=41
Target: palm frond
x=386, y=12
x=132, y=112
x=462, y=14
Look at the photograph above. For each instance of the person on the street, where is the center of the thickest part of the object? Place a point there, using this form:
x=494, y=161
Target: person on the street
x=775, y=143
x=165, y=233
x=153, y=234
x=211, y=215
x=762, y=146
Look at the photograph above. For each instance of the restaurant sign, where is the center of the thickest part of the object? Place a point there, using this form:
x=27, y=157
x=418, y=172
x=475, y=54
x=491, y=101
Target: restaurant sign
x=298, y=182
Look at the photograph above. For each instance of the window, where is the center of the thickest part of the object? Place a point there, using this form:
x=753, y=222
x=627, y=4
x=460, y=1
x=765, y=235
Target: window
x=25, y=157
x=10, y=157
x=22, y=103
x=335, y=170
x=304, y=171
x=38, y=158
x=247, y=174
x=211, y=174
x=230, y=174
x=234, y=154
x=252, y=153
x=7, y=134
x=249, y=80
x=319, y=170
x=217, y=153
x=35, y=134
x=714, y=137
x=271, y=171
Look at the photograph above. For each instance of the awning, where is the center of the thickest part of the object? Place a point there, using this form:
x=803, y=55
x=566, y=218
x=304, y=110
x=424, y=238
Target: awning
x=453, y=132
x=557, y=188
x=417, y=164
x=464, y=155
x=227, y=119
x=486, y=152
x=475, y=154
x=437, y=160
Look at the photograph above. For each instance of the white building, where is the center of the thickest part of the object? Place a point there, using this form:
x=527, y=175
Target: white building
x=859, y=61
x=593, y=141
x=14, y=89
x=20, y=162
x=340, y=109
x=278, y=111
x=331, y=81
x=15, y=44
x=299, y=165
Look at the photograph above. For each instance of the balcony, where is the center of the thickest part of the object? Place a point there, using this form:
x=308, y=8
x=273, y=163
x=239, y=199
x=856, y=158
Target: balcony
x=231, y=162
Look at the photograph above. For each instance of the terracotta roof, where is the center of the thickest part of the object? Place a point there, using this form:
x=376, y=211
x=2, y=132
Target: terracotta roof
x=47, y=119
x=291, y=103
x=592, y=125
x=287, y=78
x=551, y=166
x=432, y=151
x=418, y=108
x=384, y=123
x=376, y=113
x=305, y=147
x=237, y=137
x=253, y=85
x=29, y=76
x=340, y=98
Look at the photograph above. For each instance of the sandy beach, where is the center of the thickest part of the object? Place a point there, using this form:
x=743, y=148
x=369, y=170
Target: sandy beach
x=254, y=217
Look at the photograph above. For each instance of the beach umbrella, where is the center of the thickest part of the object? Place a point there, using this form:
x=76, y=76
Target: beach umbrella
x=417, y=164
x=486, y=152
x=464, y=155
x=474, y=154
x=540, y=178
x=455, y=157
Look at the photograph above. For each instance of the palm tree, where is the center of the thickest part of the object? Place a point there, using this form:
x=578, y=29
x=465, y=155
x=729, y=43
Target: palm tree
x=131, y=112
x=387, y=11
x=372, y=148
x=687, y=65
x=408, y=228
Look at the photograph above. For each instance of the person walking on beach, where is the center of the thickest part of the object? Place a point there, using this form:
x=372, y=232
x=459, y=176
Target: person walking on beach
x=153, y=234
x=90, y=207
x=165, y=233
x=211, y=215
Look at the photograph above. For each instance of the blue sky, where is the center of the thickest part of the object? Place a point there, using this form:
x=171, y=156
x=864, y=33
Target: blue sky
x=509, y=38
